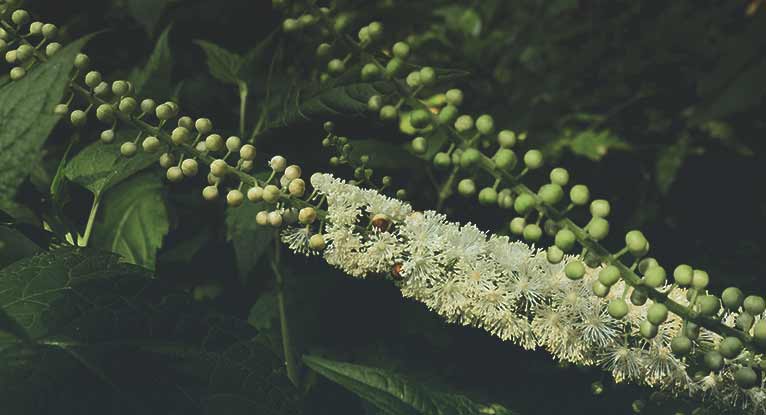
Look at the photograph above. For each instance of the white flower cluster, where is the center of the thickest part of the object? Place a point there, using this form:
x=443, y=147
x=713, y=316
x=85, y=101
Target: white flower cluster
x=510, y=289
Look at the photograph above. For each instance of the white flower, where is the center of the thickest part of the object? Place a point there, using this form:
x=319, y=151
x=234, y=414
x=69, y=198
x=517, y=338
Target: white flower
x=297, y=239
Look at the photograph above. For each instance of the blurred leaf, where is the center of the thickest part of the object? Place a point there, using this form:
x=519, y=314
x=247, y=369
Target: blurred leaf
x=461, y=19
x=596, y=144
x=264, y=311
x=15, y=246
x=222, y=64
x=250, y=240
x=147, y=12
x=383, y=154
x=724, y=134
x=394, y=394
x=154, y=78
x=135, y=220
x=184, y=251
x=26, y=116
x=100, y=166
x=669, y=162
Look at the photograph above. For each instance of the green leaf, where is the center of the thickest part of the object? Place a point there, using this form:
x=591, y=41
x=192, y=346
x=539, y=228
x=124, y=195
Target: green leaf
x=154, y=78
x=669, y=162
x=596, y=144
x=147, y=12
x=396, y=395
x=383, y=154
x=15, y=246
x=26, y=116
x=224, y=65
x=250, y=240
x=264, y=311
x=135, y=220
x=346, y=100
x=100, y=166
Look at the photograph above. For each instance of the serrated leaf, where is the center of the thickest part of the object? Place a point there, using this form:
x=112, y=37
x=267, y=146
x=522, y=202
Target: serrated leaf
x=147, y=12
x=250, y=240
x=100, y=166
x=347, y=100
x=15, y=246
x=154, y=78
x=26, y=116
x=596, y=144
x=223, y=64
x=134, y=221
x=396, y=395
x=669, y=162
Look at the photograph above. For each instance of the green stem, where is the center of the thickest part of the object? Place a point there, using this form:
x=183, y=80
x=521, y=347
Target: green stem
x=291, y=363
x=91, y=219
x=242, y=106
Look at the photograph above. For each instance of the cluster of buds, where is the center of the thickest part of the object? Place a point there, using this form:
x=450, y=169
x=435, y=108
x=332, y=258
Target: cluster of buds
x=24, y=42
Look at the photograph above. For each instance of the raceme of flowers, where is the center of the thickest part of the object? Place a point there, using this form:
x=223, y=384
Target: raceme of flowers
x=511, y=290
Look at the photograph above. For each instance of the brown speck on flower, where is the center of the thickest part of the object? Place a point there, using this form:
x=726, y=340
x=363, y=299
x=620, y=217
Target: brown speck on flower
x=381, y=222
x=396, y=272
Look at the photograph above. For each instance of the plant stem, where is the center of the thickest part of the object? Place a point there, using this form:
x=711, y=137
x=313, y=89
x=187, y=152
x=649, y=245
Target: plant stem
x=293, y=370
x=91, y=219
x=242, y=106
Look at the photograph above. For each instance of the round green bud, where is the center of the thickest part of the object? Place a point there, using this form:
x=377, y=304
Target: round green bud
x=81, y=61
x=20, y=16
x=469, y=158
x=105, y=113
x=394, y=67
x=647, y=263
x=551, y=193
x=336, y=66
x=732, y=298
x=17, y=73
x=36, y=28
x=92, y=79
x=419, y=145
x=427, y=76
x=234, y=144
x=52, y=48
x=375, y=30
x=682, y=274
x=754, y=305
x=189, y=167
x=638, y=297
x=759, y=332
x=203, y=125
x=466, y=187
x=559, y=176
x=574, y=270
x=442, y=160
x=128, y=149
x=554, y=254
x=600, y=208
x=370, y=72
x=700, y=279
x=120, y=88
x=388, y=113
x=164, y=112
x=103, y=90
x=329, y=126
x=271, y=193
x=505, y=159
x=506, y=139
x=609, y=275
x=533, y=159
x=401, y=194
x=447, y=115
x=517, y=225
x=579, y=194
x=657, y=313
x=375, y=103
x=210, y=192
x=151, y=144
x=730, y=347
x=214, y=142
x=485, y=124
x=401, y=50
x=413, y=79
x=10, y=56
x=487, y=196
x=306, y=20
x=420, y=118
x=454, y=97
x=745, y=321
x=235, y=198
x=107, y=136
x=78, y=117
x=655, y=277
x=316, y=242
x=617, y=308
x=565, y=240
x=636, y=243
x=691, y=330
x=524, y=203
x=290, y=25
x=681, y=345
x=179, y=135
x=505, y=199
x=323, y=50
x=50, y=30
x=307, y=215
x=148, y=106
x=296, y=188
x=714, y=360
x=598, y=228
x=61, y=109
x=174, y=174
x=647, y=329
x=24, y=52
x=746, y=377
x=599, y=289
x=532, y=232
x=456, y=155
x=334, y=161
x=167, y=160
x=464, y=123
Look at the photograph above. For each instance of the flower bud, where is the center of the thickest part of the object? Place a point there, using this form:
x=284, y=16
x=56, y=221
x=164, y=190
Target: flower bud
x=151, y=144
x=247, y=152
x=218, y=168
x=275, y=219
x=271, y=193
x=317, y=242
x=52, y=48
x=189, y=167
x=92, y=79
x=167, y=160
x=262, y=218
x=164, y=112
x=255, y=194
x=105, y=113
x=61, y=109
x=210, y=192
x=214, y=142
x=307, y=215
x=148, y=106
x=234, y=198
x=128, y=105
x=297, y=187
x=49, y=31
x=20, y=16
x=179, y=135
x=174, y=174
x=120, y=88
x=128, y=149
x=278, y=163
x=293, y=172
x=533, y=159
x=78, y=118
x=81, y=61
x=17, y=73
x=233, y=143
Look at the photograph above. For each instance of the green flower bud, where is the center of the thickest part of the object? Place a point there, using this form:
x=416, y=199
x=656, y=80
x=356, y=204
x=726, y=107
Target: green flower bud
x=78, y=117
x=375, y=30
x=413, y=79
x=454, y=97
x=419, y=145
x=554, y=254
x=10, y=56
x=290, y=25
x=214, y=142
x=105, y=113
x=401, y=50
x=447, y=115
x=754, y=305
x=638, y=297
x=375, y=103
x=235, y=198
x=271, y=193
x=388, y=113
x=189, y=167
x=128, y=149
x=81, y=61
x=714, y=360
x=505, y=199
x=427, y=76
x=647, y=329
x=732, y=298
x=306, y=20
x=323, y=50
x=336, y=66
x=746, y=377
x=681, y=345
x=655, y=277
x=371, y=72
x=20, y=16
x=533, y=159
x=255, y=194
x=609, y=275
x=708, y=305
x=17, y=73
x=120, y=88
x=745, y=321
x=533, y=232
x=683, y=275
x=179, y=135
x=401, y=194
x=565, y=240
x=636, y=243
x=646, y=263
x=234, y=143
x=36, y=28
x=598, y=228
x=50, y=30
x=167, y=160
x=24, y=52
x=469, y=158
x=700, y=279
x=248, y=152
x=297, y=188
x=92, y=79
x=164, y=112
x=128, y=105
x=52, y=48
x=210, y=193
x=442, y=160
x=657, y=314
x=394, y=67
x=151, y=144
x=464, y=123
x=550, y=193
x=574, y=270
x=487, y=196
x=307, y=215
x=759, y=332
x=466, y=187
x=579, y=194
x=517, y=225
x=61, y=109
x=174, y=174
x=364, y=35
x=524, y=203
x=107, y=136
x=420, y=118
x=730, y=347
x=506, y=139
x=485, y=124
x=617, y=308
x=203, y=125
x=316, y=242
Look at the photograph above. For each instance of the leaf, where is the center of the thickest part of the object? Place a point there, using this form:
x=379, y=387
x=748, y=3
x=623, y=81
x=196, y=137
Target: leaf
x=222, y=64
x=147, y=12
x=154, y=78
x=135, y=220
x=15, y=246
x=669, y=162
x=383, y=154
x=346, y=100
x=250, y=240
x=130, y=342
x=264, y=311
x=596, y=144
x=396, y=395
x=26, y=116
x=100, y=166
